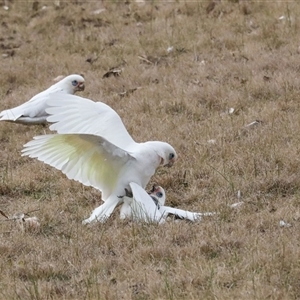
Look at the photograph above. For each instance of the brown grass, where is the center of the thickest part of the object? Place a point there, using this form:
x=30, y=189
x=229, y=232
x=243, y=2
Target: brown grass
x=234, y=54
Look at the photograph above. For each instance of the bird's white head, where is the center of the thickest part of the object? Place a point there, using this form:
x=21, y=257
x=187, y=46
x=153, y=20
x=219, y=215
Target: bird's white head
x=72, y=83
x=158, y=194
x=166, y=153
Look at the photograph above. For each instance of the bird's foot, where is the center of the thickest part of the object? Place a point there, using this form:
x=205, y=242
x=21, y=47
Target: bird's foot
x=86, y=221
x=93, y=219
x=127, y=194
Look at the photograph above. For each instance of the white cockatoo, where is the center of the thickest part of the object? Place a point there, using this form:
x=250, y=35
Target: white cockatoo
x=141, y=206
x=93, y=147
x=33, y=111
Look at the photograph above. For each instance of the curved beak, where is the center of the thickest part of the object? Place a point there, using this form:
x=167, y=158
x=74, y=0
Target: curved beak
x=154, y=188
x=170, y=163
x=80, y=86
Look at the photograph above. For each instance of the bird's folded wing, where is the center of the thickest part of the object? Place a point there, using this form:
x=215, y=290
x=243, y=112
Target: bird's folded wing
x=73, y=114
x=35, y=107
x=143, y=207
x=89, y=159
x=182, y=214
x=10, y=114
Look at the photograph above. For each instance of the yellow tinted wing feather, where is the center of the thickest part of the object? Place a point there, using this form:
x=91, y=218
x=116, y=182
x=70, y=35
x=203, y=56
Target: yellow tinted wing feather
x=86, y=158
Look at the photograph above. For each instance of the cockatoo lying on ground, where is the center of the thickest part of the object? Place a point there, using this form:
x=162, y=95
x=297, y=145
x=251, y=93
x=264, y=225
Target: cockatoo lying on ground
x=141, y=206
x=33, y=111
x=93, y=147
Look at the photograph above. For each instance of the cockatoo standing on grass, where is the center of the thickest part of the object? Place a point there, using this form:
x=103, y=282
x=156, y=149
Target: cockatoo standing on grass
x=93, y=147
x=150, y=207
x=33, y=111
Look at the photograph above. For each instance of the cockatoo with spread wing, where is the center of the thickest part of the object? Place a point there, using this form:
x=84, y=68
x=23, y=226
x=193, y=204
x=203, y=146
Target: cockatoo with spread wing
x=141, y=206
x=33, y=111
x=93, y=147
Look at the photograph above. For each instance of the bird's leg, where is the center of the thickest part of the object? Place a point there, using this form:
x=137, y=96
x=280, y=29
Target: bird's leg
x=127, y=194
x=103, y=212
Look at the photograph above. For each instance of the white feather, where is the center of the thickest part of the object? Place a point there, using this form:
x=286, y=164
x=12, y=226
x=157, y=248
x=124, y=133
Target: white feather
x=81, y=115
x=89, y=159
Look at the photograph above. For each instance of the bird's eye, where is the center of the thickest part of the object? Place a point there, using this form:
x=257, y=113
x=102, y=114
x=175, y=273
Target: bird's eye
x=74, y=82
x=171, y=156
x=159, y=194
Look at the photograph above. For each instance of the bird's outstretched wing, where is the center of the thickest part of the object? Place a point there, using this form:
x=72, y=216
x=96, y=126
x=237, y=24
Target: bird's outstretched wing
x=34, y=108
x=73, y=114
x=89, y=159
x=143, y=207
x=180, y=213
x=151, y=208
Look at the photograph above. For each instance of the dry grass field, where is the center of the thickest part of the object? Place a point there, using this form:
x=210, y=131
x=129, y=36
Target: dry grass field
x=193, y=74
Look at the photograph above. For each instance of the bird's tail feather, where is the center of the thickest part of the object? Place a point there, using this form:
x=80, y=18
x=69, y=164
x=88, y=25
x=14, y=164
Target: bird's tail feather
x=10, y=115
